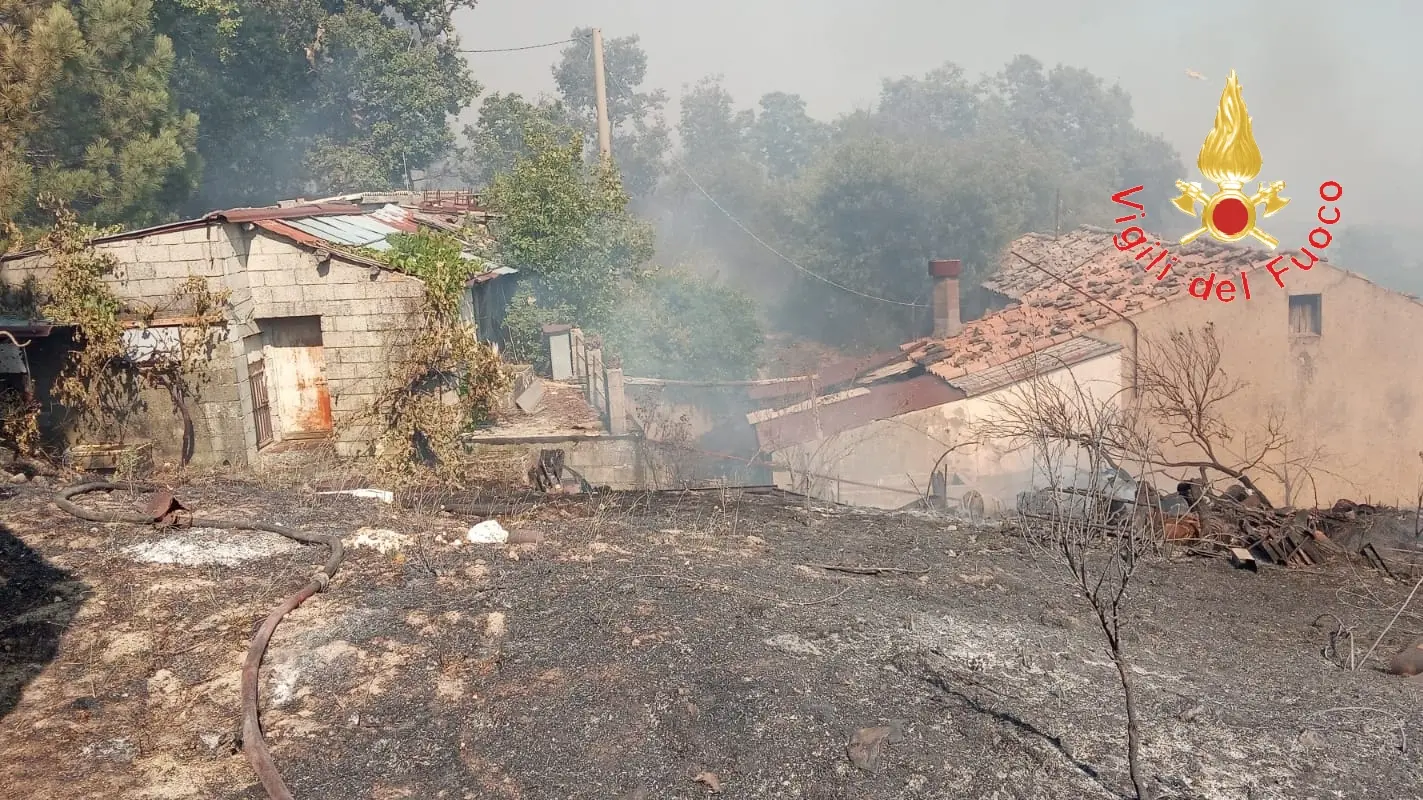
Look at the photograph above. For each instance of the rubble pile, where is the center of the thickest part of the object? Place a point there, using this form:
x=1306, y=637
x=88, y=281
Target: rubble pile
x=1238, y=525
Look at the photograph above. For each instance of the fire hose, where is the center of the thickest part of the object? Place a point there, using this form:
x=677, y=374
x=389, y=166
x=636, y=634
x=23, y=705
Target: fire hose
x=253, y=745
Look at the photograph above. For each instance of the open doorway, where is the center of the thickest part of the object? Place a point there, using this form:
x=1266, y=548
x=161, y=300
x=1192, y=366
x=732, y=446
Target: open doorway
x=296, y=403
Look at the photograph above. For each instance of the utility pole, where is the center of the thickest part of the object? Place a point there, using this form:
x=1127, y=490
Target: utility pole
x=600, y=90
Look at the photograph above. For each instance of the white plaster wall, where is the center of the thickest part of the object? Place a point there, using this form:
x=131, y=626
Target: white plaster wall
x=887, y=463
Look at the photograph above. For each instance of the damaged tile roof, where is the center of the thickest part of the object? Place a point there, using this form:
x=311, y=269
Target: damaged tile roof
x=1045, y=312
x=826, y=377
x=1066, y=354
x=1045, y=320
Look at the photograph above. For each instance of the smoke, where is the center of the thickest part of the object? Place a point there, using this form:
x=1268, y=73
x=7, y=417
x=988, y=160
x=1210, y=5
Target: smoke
x=1330, y=86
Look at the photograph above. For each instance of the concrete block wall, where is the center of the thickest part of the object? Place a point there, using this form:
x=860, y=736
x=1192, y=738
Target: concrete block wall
x=368, y=318
x=149, y=271
x=615, y=463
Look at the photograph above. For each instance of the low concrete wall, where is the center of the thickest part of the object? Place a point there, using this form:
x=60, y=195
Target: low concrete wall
x=618, y=463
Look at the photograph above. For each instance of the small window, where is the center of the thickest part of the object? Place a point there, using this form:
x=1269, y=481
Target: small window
x=1304, y=315
x=150, y=345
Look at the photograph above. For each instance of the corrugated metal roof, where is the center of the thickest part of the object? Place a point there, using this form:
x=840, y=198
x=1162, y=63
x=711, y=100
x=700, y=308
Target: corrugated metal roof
x=356, y=230
x=489, y=275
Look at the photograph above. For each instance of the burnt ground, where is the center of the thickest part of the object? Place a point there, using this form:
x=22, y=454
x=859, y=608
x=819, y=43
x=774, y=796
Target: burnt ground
x=651, y=639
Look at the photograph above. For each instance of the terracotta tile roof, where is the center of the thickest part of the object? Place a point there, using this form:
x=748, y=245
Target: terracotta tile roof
x=1048, y=313
x=1058, y=356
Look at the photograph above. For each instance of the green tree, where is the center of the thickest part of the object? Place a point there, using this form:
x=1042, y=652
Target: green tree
x=783, y=137
x=639, y=135
x=33, y=50
x=679, y=326
x=384, y=102
x=1073, y=115
x=874, y=210
x=316, y=96
x=942, y=104
x=497, y=140
x=565, y=224
x=952, y=169
x=720, y=177
x=88, y=117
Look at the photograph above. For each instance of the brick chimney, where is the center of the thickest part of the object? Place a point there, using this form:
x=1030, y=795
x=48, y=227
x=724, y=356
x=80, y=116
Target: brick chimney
x=945, y=273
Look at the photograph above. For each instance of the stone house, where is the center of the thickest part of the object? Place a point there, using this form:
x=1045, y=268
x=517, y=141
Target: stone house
x=312, y=328
x=1328, y=355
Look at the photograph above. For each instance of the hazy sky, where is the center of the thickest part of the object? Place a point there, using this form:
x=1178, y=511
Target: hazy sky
x=1332, y=87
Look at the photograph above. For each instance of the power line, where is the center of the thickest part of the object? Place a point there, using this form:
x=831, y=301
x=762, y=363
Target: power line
x=764, y=243
x=527, y=46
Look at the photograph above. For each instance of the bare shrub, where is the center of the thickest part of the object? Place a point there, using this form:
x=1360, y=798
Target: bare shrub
x=1188, y=394
x=1090, y=515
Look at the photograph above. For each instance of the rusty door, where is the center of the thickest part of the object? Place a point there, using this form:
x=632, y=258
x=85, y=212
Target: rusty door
x=261, y=401
x=297, y=373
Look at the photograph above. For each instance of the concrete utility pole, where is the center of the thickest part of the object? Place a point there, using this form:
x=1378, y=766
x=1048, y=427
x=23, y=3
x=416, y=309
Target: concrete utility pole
x=600, y=90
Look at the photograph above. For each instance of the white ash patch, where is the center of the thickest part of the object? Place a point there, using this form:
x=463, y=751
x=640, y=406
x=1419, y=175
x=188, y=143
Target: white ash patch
x=792, y=644
x=985, y=648
x=382, y=540
x=198, y=547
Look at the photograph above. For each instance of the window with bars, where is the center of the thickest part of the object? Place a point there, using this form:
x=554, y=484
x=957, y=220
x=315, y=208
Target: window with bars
x=1304, y=315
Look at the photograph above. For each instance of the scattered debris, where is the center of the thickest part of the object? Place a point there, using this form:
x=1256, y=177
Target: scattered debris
x=525, y=537
x=118, y=750
x=712, y=782
x=1242, y=559
x=1236, y=523
x=382, y=540
x=867, y=746
x=488, y=532
x=163, y=506
x=372, y=494
x=869, y=570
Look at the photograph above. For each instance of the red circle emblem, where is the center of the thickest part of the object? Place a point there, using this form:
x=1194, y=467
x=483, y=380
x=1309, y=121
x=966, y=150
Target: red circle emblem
x=1230, y=216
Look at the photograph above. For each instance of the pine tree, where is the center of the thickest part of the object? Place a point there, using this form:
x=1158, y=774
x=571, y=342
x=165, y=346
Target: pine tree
x=86, y=117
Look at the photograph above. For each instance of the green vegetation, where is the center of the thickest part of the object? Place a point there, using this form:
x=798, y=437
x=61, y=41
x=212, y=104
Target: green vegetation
x=446, y=381
x=679, y=326
x=134, y=111
x=88, y=116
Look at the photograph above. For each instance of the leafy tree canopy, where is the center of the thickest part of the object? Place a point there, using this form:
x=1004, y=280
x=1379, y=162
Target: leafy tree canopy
x=498, y=140
x=566, y=225
x=640, y=137
x=679, y=326
x=943, y=167
x=316, y=96
x=86, y=116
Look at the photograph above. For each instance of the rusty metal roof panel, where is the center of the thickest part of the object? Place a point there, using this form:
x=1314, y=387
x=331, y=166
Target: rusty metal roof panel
x=290, y=212
x=848, y=410
x=399, y=218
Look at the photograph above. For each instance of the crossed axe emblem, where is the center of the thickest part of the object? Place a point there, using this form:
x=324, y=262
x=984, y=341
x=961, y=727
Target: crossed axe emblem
x=1269, y=195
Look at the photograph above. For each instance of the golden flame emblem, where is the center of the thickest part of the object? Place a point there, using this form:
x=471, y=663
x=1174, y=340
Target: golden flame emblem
x=1229, y=157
